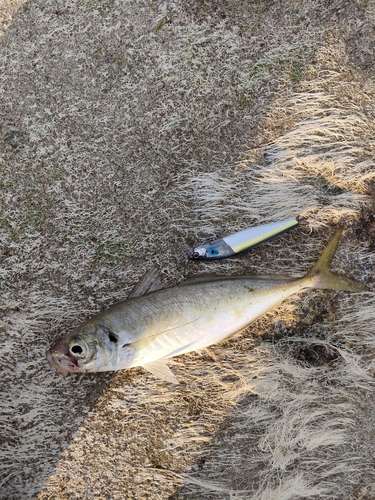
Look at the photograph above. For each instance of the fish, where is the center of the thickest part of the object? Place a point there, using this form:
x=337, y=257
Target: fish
x=241, y=241
x=150, y=327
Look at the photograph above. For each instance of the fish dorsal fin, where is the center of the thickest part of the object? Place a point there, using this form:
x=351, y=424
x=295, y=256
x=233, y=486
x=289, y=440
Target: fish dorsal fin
x=160, y=370
x=149, y=282
x=274, y=277
x=207, y=278
x=201, y=278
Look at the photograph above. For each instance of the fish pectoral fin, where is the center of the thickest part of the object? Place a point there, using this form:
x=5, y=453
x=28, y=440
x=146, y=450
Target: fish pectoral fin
x=160, y=370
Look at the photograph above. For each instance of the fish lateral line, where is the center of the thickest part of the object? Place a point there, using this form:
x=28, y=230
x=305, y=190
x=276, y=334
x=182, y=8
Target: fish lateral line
x=162, y=332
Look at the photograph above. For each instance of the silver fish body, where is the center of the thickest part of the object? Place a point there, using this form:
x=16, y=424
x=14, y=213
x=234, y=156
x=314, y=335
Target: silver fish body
x=197, y=313
x=241, y=241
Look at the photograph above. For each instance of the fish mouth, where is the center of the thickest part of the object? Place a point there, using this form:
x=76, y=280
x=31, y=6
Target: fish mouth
x=61, y=362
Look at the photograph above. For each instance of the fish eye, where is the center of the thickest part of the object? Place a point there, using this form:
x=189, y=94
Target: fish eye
x=195, y=255
x=76, y=350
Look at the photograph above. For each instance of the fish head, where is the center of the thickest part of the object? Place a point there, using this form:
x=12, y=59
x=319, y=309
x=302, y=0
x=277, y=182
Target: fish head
x=91, y=348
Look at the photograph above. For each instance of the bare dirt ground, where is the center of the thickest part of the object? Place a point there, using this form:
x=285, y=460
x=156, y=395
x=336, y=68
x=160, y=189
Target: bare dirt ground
x=129, y=129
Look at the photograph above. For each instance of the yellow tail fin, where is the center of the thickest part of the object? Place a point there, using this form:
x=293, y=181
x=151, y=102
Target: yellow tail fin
x=326, y=278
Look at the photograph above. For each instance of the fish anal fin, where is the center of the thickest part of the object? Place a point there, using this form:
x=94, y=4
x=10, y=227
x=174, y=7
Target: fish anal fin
x=160, y=370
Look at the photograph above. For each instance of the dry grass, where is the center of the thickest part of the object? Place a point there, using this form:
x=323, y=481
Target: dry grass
x=128, y=129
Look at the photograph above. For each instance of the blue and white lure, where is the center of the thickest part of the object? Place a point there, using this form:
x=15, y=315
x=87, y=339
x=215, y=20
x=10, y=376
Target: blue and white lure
x=240, y=242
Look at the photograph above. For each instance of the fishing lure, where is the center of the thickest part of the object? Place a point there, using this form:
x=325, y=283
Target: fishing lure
x=240, y=242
